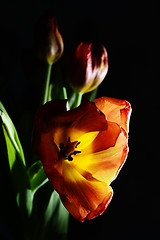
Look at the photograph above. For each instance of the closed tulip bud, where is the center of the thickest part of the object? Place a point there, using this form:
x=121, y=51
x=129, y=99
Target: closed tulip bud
x=87, y=67
x=49, y=42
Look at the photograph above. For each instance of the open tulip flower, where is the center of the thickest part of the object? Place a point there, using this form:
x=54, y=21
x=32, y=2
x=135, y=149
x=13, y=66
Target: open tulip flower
x=82, y=151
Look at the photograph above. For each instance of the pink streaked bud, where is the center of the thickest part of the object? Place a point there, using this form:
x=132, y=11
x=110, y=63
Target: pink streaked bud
x=87, y=67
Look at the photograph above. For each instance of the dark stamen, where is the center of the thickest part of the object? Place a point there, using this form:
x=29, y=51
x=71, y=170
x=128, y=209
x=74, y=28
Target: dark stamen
x=77, y=144
x=75, y=152
x=61, y=146
x=67, y=150
x=70, y=158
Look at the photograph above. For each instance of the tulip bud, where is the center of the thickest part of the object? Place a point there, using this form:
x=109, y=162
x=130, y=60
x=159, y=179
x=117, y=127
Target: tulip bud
x=49, y=42
x=87, y=67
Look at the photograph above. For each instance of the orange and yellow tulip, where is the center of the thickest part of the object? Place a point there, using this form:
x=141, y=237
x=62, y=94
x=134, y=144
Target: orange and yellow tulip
x=82, y=151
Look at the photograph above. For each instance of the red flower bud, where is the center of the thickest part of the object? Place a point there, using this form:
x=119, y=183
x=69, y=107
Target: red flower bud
x=87, y=67
x=49, y=42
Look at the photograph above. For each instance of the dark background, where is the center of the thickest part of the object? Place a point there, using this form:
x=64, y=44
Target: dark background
x=129, y=31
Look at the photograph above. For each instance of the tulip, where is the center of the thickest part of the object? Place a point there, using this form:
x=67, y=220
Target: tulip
x=49, y=42
x=82, y=150
x=87, y=67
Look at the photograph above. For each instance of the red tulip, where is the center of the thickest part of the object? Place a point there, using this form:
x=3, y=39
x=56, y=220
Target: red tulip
x=87, y=67
x=82, y=151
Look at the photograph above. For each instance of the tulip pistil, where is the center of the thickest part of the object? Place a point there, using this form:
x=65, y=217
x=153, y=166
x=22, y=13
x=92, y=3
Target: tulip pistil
x=68, y=149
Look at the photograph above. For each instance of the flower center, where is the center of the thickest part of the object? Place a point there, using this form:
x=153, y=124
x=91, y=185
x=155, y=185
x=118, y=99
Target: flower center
x=68, y=149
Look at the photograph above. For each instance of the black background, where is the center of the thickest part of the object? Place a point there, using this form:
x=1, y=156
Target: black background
x=129, y=31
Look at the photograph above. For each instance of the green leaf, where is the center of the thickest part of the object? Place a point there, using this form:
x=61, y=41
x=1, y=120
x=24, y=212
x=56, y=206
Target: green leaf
x=57, y=91
x=25, y=201
x=12, y=133
x=92, y=95
x=37, y=176
x=56, y=217
x=16, y=164
x=13, y=152
x=52, y=207
x=72, y=99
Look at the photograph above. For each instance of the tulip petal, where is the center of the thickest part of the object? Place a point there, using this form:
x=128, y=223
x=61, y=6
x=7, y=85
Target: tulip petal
x=75, y=123
x=102, y=207
x=86, y=118
x=115, y=110
x=83, y=198
x=86, y=140
x=63, y=124
x=105, y=165
x=47, y=149
x=47, y=112
x=82, y=195
x=103, y=140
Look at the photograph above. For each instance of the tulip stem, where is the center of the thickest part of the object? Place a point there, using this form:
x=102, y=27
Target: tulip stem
x=46, y=87
x=64, y=92
x=77, y=100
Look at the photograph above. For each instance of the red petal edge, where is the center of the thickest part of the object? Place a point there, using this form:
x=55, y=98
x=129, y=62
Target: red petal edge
x=101, y=208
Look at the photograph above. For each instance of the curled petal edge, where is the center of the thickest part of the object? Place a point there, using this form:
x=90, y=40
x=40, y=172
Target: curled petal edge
x=115, y=110
x=101, y=208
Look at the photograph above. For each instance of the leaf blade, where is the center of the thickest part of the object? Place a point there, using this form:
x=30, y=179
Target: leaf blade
x=13, y=152
x=37, y=176
x=11, y=131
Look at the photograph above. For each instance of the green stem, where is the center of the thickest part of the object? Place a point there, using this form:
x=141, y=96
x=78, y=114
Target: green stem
x=64, y=96
x=46, y=87
x=78, y=100
x=64, y=92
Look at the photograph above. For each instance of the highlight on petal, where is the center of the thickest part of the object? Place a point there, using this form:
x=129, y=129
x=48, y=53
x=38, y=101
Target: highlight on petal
x=115, y=110
x=105, y=165
x=84, y=198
